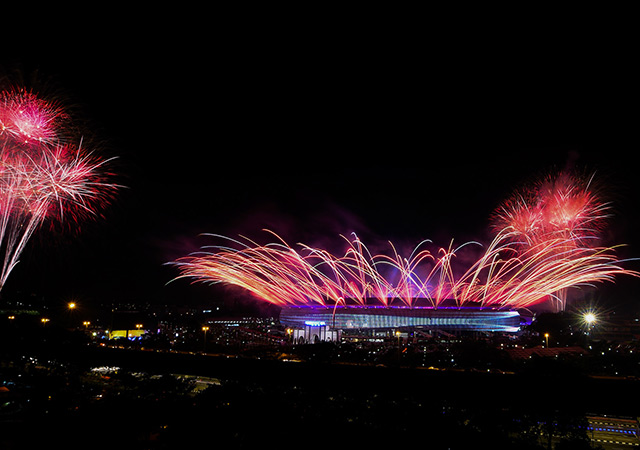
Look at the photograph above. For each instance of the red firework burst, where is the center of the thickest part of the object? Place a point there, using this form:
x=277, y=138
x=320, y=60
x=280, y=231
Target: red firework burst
x=29, y=120
x=563, y=205
x=546, y=242
x=41, y=176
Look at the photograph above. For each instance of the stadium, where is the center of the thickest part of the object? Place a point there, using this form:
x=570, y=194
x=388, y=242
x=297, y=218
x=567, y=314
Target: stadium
x=328, y=323
x=546, y=240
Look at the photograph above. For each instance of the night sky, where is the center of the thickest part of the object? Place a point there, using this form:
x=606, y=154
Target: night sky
x=316, y=134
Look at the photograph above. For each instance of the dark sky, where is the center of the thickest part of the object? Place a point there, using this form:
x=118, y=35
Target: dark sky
x=313, y=133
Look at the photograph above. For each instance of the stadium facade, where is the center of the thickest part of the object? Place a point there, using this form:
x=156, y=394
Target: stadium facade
x=317, y=320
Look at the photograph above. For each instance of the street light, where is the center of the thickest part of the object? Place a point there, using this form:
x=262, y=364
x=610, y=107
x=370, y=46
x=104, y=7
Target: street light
x=71, y=305
x=589, y=318
x=205, y=329
x=546, y=336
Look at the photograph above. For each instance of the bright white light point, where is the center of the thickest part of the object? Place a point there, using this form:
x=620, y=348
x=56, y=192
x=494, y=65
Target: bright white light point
x=589, y=318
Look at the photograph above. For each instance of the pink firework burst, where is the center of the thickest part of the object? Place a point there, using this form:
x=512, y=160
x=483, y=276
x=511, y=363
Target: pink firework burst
x=41, y=176
x=561, y=205
x=29, y=120
x=505, y=276
x=546, y=242
x=70, y=184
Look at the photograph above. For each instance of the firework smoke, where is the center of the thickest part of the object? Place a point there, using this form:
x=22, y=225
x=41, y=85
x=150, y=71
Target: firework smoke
x=42, y=176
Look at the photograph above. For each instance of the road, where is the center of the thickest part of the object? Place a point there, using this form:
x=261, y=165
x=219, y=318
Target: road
x=614, y=433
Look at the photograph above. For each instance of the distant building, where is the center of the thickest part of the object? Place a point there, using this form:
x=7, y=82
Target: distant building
x=126, y=334
x=315, y=331
x=612, y=328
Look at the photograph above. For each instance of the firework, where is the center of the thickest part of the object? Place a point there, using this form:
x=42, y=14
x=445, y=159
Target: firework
x=503, y=277
x=545, y=243
x=561, y=205
x=28, y=120
x=42, y=178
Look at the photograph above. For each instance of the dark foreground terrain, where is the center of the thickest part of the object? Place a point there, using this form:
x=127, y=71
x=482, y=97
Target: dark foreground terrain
x=252, y=403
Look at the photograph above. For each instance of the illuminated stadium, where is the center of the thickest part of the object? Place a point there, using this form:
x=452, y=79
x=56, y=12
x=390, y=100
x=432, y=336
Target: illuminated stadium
x=546, y=240
x=449, y=319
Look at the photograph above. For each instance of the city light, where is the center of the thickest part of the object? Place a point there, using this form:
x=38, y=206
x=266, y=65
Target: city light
x=546, y=336
x=204, y=330
x=589, y=318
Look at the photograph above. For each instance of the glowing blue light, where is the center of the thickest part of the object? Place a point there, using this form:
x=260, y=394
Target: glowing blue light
x=393, y=318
